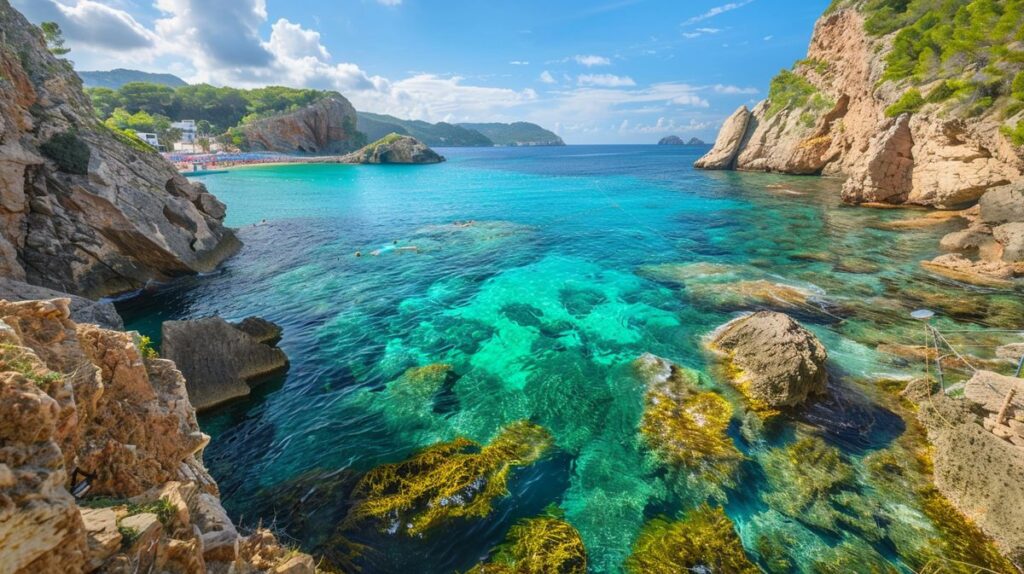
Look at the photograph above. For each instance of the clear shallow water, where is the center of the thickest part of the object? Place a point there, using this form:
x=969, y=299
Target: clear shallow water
x=579, y=260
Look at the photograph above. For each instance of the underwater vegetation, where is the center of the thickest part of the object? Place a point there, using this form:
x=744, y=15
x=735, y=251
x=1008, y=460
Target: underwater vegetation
x=542, y=545
x=703, y=540
x=454, y=479
x=686, y=428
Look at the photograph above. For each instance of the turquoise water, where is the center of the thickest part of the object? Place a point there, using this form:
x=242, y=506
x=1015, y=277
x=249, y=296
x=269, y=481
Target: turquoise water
x=576, y=261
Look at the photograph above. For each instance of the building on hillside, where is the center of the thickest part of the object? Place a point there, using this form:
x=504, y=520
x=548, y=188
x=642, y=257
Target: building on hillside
x=149, y=138
x=188, y=130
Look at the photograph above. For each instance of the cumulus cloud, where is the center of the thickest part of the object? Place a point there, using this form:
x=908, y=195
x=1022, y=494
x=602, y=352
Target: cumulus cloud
x=290, y=40
x=604, y=80
x=222, y=34
x=519, y=63
x=663, y=125
x=547, y=78
x=590, y=60
x=732, y=90
x=91, y=24
x=716, y=11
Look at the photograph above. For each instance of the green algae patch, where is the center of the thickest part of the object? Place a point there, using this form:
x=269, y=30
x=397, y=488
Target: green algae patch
x=967, y=548
x=541, y=545
x=704, y=540
x=449, y=480
x=420, y=383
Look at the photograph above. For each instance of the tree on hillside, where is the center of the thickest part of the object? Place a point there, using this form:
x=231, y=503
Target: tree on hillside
x=54, y=38
x=104, y=101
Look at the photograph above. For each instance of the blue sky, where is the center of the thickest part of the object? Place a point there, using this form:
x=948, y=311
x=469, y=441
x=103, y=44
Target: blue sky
x=606, y=71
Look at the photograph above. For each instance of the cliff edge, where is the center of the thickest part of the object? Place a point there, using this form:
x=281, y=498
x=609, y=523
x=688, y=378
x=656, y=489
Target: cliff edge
x=85, y=209
x=327, y=126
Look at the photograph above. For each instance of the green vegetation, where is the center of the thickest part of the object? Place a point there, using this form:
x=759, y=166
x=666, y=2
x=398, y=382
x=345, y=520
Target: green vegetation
x=704, y=540
x=118, y=77
x=386, y=140
x=543, y=545
x=909, y=103
x=376, y=126
x=515, y=134
x=455, y=479
x=214, y=109
x=790, y=90
x=17, y=359
x=1014, y=133
x=128, y=536
x=141, y=121
x=54, y=38
x=146, y=348
x=69, y=152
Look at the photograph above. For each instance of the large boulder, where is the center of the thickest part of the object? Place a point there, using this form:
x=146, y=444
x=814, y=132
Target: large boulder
x=327, y=126
x=773, y=359
x=394, y=148
x=729, y=142
x=219, y=359
x=84, y=209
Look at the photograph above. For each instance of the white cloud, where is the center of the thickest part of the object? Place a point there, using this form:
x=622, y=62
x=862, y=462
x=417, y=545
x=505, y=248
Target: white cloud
x=290, y=40
x=604, y=80
x=390, y=2
x=519, y=63
x=663, y=125
x=591, y=60
x=768, y=38
x=91, y=24
x=701, y=32
x=547, y=78
x=716, y=11
x=732, y=90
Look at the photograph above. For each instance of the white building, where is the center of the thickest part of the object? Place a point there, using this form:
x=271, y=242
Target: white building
x=188, y=130
x=151, y=139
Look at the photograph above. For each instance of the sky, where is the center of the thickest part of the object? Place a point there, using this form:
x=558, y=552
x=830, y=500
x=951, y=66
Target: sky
x=603, y=71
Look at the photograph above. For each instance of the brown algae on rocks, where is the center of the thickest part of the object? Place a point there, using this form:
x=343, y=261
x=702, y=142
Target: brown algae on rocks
x=449, y=480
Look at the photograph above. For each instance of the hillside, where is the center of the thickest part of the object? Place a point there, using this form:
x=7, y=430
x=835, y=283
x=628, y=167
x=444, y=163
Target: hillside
x=118, y=77
x=441, y=134
x=516, y=134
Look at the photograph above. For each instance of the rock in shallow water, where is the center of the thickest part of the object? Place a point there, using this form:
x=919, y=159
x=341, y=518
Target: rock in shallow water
x=778, y=363
x=219, y=359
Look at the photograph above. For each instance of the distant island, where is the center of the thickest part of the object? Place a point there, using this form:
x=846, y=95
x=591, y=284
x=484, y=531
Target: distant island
x=118, y=77
x=676, y=140
x=444, y=134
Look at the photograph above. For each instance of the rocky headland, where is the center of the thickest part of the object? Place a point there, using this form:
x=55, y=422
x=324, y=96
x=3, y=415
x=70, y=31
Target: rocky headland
x=85, y=209
x=394, y=149
x=325, y=127
x=676, y=140
x=905, y=115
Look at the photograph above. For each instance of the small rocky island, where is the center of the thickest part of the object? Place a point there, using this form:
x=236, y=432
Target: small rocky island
x=394, y=149
x=676, y=140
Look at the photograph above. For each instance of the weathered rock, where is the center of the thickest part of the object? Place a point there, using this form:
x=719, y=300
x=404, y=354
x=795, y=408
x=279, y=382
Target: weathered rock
x=260, y=329
x=888, y=173
x=109, y=222
x=394, y=149
x=983, y=273
x=82, y=310
x=988, y=390
x=728, y=143
x=980, y=474
x=327, y=126
x=78, y=395
x=1004, y=204
x=776, y=362
x=218, y=359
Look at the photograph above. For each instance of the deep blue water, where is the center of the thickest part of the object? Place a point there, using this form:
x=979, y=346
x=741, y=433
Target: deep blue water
x=575, y=261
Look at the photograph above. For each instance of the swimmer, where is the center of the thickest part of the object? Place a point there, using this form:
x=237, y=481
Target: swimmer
x=359, y=253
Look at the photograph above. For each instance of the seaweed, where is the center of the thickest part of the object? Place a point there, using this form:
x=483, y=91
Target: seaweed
x=455, y=479
x=703, y=540
x=541, y=545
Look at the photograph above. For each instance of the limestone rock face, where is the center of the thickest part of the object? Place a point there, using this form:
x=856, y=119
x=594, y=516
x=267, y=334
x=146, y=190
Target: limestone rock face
x=728, y=143
x=778, y=362
x=78, y=396
x=82, y=310
x=995, y=236
x=394, y=149
x=82, y=209
x=327, y=126
x=929, y=158
x=219, y=359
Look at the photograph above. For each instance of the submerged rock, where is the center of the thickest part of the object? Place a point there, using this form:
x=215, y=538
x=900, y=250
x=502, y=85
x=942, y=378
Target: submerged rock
x=446, y=481
x=775, y=361
x=542, y=545
x=702, y=540
x=220, y=359
x=954, y=266
x=394, y=148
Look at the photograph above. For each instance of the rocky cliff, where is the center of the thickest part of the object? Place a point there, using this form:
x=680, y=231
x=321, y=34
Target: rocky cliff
x=76, y=397
x=325, y=127
x=908, y=109
x=83, y=209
